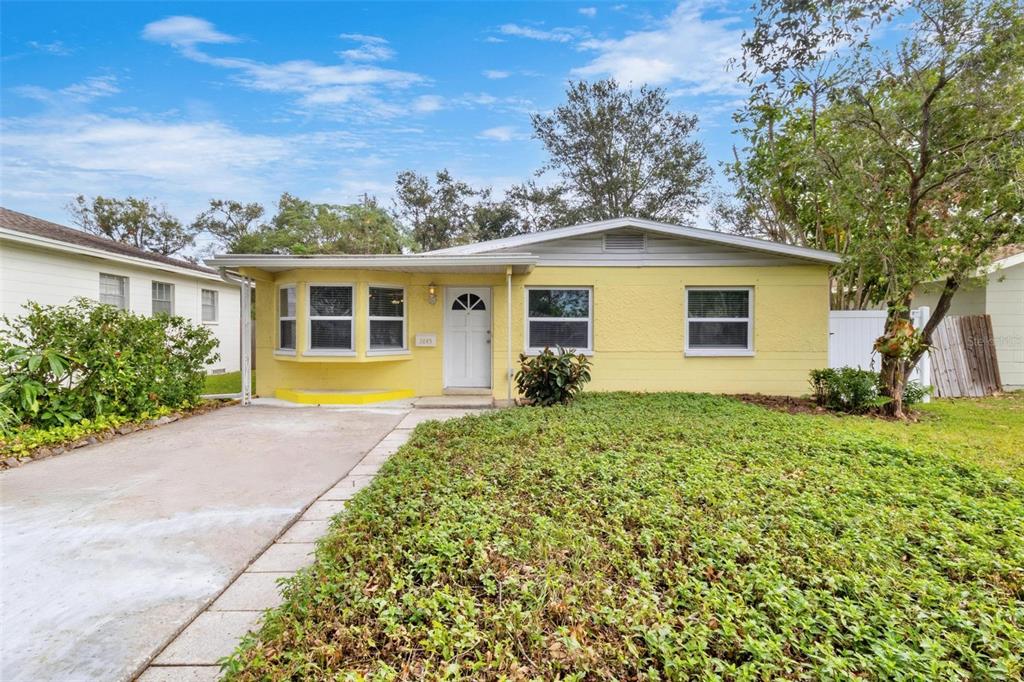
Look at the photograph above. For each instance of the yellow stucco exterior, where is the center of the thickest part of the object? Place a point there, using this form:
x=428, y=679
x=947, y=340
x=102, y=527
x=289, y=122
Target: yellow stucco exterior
x=638, y=330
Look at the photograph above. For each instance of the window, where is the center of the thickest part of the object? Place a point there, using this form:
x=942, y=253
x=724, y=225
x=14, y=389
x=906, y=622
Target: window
x=719, y=321
x=163, y=298
x=114, y=290
x=559, y=317
x=209, y=301
x=386, y=307
x=330, y=317
x=286, y=318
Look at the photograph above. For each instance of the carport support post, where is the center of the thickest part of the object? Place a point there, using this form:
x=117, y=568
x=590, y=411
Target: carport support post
x=246, y=313
x=508, y=328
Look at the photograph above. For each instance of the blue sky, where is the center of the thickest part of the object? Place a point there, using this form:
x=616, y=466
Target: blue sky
x=187, y=101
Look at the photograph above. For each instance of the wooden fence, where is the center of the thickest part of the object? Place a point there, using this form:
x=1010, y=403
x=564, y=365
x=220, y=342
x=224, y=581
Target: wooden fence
x=963, y=357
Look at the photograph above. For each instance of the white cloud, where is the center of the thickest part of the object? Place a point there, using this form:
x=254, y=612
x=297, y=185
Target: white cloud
x=557, y=35
x=185, y=31
x=588, y=11
x=687, y=50
x=502, y=134
x=48, y=159
x=428, y=103
x=358, y=87
x=57, y=47
x=91, y=88
x=371, y=48
x=494, y=74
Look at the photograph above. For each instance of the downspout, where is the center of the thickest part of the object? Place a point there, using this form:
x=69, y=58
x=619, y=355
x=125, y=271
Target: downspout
x=508, y=327
x=245, y=315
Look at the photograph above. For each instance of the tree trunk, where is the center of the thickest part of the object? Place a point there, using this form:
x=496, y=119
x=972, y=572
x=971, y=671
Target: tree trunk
x=894, y=379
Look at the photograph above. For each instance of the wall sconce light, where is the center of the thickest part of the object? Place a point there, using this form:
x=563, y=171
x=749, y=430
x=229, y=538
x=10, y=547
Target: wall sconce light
x=431, y=293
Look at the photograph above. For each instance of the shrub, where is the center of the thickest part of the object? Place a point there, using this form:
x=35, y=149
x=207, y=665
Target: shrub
x=552, y=378
x=62, y=364
x=849, y=389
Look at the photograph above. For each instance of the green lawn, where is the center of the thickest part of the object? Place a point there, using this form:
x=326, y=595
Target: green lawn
x=230, y=382
x=671, y=536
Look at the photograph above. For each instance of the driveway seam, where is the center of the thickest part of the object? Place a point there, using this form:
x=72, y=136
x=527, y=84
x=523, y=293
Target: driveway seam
x=205, y=607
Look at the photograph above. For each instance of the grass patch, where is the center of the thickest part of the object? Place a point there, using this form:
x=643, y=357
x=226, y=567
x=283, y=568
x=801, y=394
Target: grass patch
x=664, y=536
x=229, y=382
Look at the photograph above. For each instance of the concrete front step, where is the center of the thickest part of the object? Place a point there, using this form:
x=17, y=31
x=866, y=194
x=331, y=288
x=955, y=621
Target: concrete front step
x=466, y=402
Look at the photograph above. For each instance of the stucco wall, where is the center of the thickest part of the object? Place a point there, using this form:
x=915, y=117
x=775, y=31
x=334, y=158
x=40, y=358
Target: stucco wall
x=638, y=330
x=54, y=278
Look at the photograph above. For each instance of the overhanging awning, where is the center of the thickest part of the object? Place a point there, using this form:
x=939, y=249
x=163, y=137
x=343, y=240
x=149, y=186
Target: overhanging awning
x=491, y=263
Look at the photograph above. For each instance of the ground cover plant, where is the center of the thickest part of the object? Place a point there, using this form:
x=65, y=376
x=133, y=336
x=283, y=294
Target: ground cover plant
x=665, y=536
x=229, y=382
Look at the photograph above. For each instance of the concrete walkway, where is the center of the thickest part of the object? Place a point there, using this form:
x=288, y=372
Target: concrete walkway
x=108, y=551
x=192, y=656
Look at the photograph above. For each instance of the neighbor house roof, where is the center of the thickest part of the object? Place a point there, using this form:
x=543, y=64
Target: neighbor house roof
x=697, y=234
x=28, y=229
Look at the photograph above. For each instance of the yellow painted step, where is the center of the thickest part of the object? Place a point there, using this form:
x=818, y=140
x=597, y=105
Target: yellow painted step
x=331, y=397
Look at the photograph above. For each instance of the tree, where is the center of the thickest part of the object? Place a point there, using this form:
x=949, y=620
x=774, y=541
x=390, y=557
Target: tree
x=910, y=158
x=623, y=153
x=435, y=215
x=229, y=222
x=303, y=227
x=133, y=221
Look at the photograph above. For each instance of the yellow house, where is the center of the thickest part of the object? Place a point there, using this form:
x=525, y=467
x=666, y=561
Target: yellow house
x=657, y=307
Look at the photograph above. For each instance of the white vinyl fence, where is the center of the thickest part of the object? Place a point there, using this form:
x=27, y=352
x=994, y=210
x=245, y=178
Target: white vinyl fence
x=851, y=340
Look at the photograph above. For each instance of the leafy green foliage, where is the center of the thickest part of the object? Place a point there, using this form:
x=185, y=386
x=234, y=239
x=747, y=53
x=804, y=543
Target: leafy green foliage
x=137, y=222
x=552, y=377
x=19, y=442
x=83, y=360
x=302, y=227
x=661, y=536
x=229, y=222
x=849, y=389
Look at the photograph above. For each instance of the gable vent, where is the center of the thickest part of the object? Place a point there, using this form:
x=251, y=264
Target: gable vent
x=625, y=243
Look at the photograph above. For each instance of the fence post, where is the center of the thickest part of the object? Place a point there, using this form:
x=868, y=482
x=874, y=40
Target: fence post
x=925, y=363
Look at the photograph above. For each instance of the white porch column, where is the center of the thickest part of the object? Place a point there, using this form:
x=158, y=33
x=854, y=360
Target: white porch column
x=508, y=328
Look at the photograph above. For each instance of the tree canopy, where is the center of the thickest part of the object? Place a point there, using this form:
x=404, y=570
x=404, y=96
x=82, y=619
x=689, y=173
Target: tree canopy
x=138, y=222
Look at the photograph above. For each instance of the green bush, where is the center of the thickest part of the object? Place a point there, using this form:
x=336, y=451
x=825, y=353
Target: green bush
x=552, y=378
x=849, y=389
x=62, y=364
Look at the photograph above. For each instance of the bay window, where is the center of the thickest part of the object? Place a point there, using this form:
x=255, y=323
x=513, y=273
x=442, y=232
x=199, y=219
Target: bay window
x=330, y=317
x=386, y=314
x=286, y=318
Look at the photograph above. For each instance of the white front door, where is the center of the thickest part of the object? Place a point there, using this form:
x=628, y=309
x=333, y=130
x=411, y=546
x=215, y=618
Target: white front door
x=467, y=337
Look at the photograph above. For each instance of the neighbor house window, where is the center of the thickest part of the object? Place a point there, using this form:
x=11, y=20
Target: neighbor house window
x=330, y=317
x=719, y=321
x=559, y=317
x=163, y=298
x=114, y=290
x=286, y=318
x=210, y=311
x=386, y=306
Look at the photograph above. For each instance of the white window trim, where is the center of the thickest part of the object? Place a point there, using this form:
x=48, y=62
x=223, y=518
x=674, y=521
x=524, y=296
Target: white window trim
x=404, y=350
x=216, y=306
x=278, y=350
x=336, y=352
x=127, y=289
x=534, y=350
x=719, y=352
x=152, y=300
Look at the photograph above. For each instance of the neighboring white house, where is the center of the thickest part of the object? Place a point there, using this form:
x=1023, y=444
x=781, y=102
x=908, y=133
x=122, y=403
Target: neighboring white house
x=998, y=291
x=52, y=264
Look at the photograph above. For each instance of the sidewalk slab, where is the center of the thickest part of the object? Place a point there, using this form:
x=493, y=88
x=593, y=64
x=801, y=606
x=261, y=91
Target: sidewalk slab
x=284, y=558
x=209, y=638
x=323, y=510
x=251, y=592
x=306, y=531
x=181, y=673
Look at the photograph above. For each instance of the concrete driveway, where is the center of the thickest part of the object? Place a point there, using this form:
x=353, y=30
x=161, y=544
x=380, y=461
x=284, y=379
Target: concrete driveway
x=108, y=551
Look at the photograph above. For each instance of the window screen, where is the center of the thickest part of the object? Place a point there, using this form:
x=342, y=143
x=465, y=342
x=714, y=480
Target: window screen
x=114, y=290
x=718, y=319
x=330, y=317
x=210, y=311
x=386, y=307
x=559, y=317
x=163, y=298
x=286, y=318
